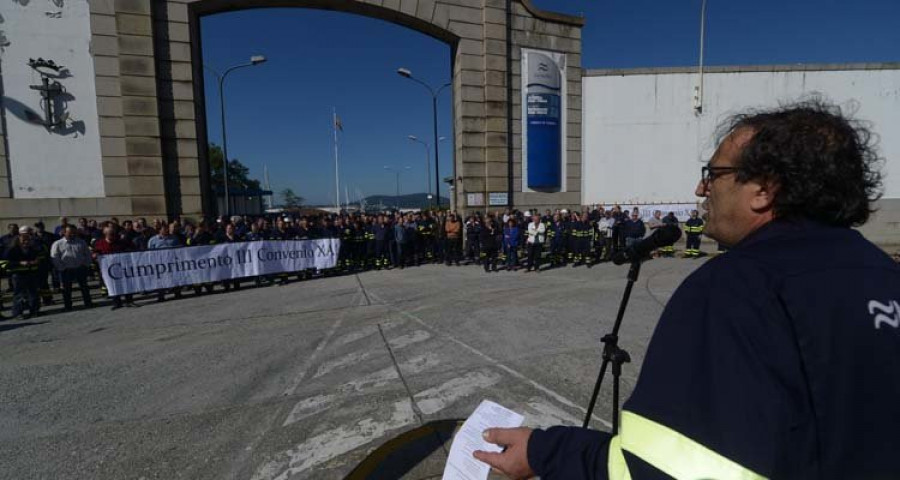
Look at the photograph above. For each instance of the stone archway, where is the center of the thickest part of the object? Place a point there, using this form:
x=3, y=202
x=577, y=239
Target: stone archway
x=150, y=108
x=475, y=30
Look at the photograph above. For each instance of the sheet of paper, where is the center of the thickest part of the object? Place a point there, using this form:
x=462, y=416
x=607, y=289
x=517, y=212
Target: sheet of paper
x=461, y=465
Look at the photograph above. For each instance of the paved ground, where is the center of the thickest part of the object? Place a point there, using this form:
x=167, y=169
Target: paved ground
x=305, y=380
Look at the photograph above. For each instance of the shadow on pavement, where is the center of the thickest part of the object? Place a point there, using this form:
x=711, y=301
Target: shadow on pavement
x=407, y=455
x=13, y=326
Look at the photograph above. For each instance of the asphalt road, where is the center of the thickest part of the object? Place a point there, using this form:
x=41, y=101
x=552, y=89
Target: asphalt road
x=305, y=380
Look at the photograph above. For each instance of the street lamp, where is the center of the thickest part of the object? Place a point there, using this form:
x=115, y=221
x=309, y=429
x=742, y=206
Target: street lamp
x=427, y=163
x=397, y=172
x=254, y=61
x=406, y=73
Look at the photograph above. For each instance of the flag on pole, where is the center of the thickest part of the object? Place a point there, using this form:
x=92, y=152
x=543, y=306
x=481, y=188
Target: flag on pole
x=337, y=179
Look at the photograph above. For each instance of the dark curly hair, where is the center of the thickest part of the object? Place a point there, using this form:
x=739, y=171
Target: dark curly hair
x=825, y=164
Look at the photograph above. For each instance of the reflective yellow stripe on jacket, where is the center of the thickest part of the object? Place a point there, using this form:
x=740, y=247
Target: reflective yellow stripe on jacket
x=670, y=452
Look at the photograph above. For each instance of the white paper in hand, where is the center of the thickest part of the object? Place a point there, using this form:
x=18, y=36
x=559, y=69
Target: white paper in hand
x=461, y=465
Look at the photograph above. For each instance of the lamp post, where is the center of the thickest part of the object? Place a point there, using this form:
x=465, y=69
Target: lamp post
x=254, y=61
x=397, y=171
x=406, y=73
x=427, y=163
x=698, y=90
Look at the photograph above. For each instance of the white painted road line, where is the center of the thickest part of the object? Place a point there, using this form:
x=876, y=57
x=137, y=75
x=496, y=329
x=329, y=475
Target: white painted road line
x=309, y=360
x=319, y=403
x=440, y=397
x=559, y=398
x=335, y=442
x=407, y=340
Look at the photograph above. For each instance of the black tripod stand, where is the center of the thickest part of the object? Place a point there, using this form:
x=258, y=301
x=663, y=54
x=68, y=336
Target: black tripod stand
x=613, y=354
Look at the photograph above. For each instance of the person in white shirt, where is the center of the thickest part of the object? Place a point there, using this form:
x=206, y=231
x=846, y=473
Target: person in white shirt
x=71, y=257
x=654, y=222
x=537, y=233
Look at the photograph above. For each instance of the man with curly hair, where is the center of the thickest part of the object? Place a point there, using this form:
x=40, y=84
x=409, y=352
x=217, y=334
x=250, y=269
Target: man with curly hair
x=777, y=359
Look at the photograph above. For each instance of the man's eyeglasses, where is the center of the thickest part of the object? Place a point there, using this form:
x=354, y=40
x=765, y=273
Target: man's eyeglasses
x=708, y=174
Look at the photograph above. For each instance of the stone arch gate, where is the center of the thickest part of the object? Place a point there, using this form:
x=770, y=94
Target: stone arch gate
x=147, y=55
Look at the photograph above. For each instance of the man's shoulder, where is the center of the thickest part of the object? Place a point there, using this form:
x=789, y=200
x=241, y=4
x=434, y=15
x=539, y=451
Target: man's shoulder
x=810, y=248
x=766, y=263
x=728, y=271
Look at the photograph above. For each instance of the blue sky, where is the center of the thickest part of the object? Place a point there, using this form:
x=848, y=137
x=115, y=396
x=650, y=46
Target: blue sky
x=279, y=113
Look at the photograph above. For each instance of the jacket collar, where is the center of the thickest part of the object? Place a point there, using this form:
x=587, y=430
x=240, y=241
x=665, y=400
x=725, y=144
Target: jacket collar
x=777, y=229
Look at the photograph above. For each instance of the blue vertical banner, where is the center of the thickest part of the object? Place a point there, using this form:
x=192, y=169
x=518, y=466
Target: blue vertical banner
x=542, y=129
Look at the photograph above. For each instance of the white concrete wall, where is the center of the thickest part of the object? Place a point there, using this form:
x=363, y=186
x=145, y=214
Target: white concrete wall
x=46, y=163
x=644, y=144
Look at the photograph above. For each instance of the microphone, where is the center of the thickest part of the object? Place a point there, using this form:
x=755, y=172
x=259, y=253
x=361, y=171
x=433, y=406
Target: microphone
x=662, y=237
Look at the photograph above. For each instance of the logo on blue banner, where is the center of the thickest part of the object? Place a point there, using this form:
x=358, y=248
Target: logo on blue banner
x=543, y=116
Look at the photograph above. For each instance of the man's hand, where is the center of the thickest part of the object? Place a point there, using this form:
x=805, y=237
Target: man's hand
x=513, y=461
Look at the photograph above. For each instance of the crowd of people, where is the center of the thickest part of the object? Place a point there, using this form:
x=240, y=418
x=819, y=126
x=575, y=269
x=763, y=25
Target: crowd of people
x=39, y=263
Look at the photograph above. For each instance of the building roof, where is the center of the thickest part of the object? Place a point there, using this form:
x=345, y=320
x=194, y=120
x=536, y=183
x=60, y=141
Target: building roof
x=797, y=67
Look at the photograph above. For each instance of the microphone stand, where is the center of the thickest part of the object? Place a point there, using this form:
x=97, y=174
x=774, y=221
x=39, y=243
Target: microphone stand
x=613, y=354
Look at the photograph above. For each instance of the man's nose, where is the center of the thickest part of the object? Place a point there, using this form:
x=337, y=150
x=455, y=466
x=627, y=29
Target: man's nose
x=702, y=189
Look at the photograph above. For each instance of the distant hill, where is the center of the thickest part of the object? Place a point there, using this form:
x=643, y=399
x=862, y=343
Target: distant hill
x=413, y=200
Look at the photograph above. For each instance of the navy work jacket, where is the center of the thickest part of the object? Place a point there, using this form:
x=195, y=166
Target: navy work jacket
x=778, y=359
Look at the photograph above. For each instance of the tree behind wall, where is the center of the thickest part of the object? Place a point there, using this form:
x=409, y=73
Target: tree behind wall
x=290, y=199
x=238, y=173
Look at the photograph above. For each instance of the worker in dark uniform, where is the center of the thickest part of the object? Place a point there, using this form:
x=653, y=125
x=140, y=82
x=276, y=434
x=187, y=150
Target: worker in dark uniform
x=350, y=234
x=369, y=226
x=360, y=237
x=571, y=237
x=501, y=226
x=345, y=256
x=634, y=229
x=6, y=242
x=547, y=220
x=556, y=235
x=582, y=238
x=412, y=245
x=489, y=245
x=426, y=238
x=618, y=221
x=25, y=257
x=381, y=231
x=473, y=240
x=398, y=241
x=46, y=239
x=440, y=237
x=669, y=220
x=693, y=228
x=777, y=359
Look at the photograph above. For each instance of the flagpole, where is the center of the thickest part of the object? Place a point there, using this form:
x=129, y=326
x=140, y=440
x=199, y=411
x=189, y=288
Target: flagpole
x=337, y=184
x=270, y=203
x=698, y=101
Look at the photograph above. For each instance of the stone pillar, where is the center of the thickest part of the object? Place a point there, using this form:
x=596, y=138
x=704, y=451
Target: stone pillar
x=137, y=87
x=178, y=127
x=548, y=31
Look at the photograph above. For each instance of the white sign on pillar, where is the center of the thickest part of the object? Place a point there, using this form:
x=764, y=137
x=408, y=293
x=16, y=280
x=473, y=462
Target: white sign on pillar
x=50, y=161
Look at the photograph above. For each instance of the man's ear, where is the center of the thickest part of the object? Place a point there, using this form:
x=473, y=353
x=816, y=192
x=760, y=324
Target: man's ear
x=763, y=195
